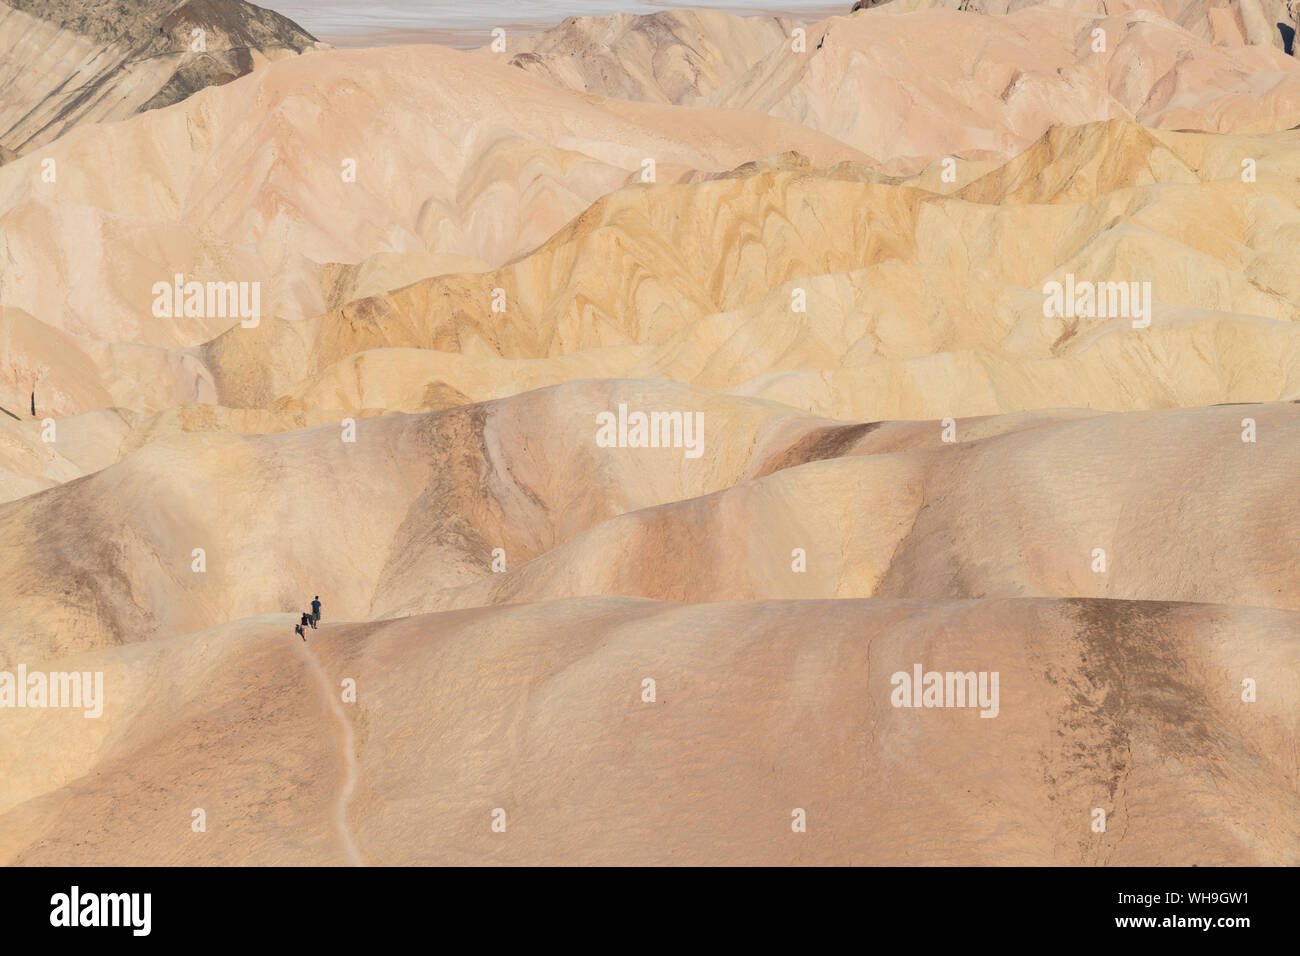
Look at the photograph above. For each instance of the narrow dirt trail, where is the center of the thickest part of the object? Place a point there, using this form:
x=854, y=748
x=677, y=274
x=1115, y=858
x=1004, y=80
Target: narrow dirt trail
x=347, y=748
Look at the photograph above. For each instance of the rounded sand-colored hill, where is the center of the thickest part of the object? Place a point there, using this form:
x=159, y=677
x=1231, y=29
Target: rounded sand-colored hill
x=760, y=709
x=420, y=506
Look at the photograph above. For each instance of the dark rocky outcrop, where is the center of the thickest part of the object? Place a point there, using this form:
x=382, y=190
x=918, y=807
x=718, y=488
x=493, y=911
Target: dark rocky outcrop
x=68, y=62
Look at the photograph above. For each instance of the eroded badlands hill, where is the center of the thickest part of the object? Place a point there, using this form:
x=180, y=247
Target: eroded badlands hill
x=761, y=709
x=659, y=350
x=64, y=63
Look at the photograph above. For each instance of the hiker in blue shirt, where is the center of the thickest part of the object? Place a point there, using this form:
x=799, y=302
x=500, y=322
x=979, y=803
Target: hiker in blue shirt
x=315, y=610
